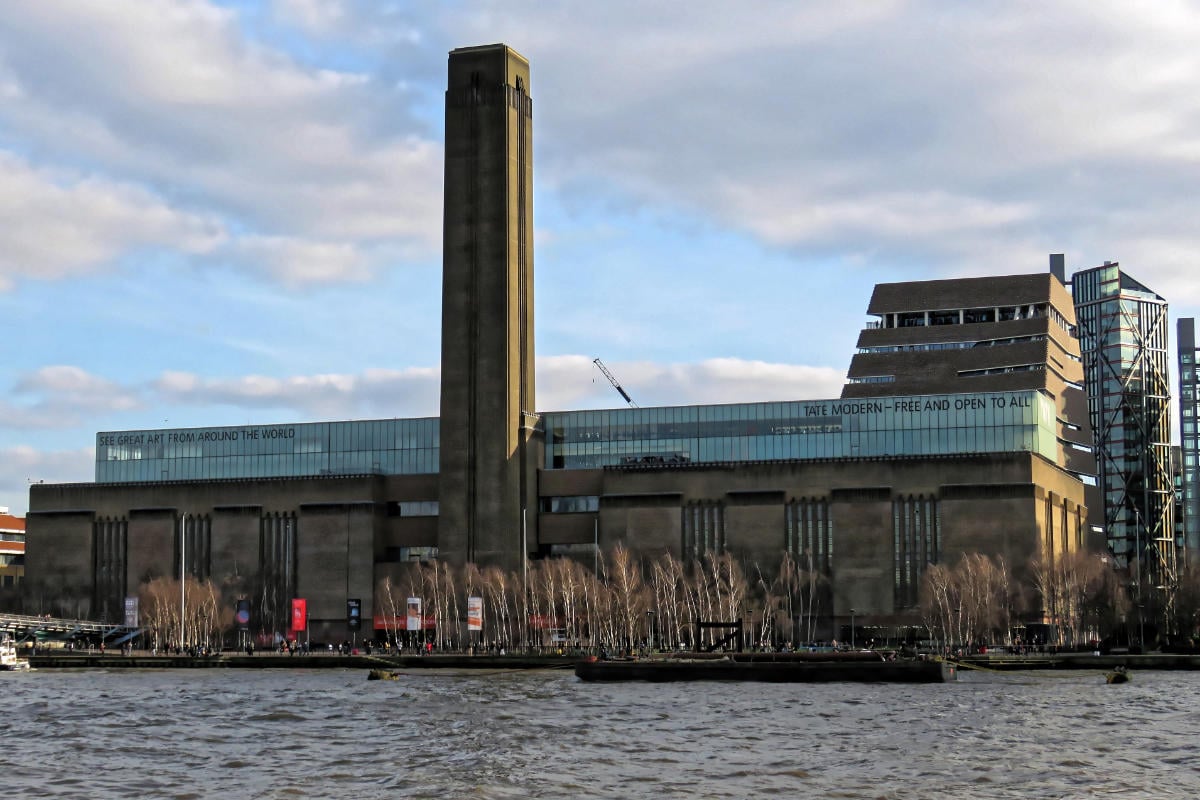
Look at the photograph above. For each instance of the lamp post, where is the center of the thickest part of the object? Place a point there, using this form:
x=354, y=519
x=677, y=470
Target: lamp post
x=525, y=579
x=852, y=629
x=650, y=629
x=1165, y=596
x=182, y=574
x=1141, y=607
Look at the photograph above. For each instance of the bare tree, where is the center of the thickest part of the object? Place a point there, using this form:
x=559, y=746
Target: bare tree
x=626, y=578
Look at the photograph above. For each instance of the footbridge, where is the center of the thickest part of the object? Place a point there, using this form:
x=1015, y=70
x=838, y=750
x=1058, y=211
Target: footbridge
x=24, y=628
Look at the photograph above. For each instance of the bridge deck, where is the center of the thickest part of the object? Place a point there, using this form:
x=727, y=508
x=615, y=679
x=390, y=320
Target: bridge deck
x=24, y=628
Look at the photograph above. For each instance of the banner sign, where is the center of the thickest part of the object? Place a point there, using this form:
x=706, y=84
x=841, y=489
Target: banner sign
x=243, y=615
x=354, y=613
x=299, y=614
x=131, y=612
x=474, y=613
x=389, y=623
x=414, y=614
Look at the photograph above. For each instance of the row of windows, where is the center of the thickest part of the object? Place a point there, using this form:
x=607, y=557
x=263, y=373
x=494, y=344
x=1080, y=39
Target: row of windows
x=399, y=555
x=802, y=417
x=909, y=425
x=945, y=441
x=975, y=373
x=968, y=345
x=413, y=508
x=318, y=438
x=570, y=504
x=394, y=462
x=968, y=316
x=928, y=425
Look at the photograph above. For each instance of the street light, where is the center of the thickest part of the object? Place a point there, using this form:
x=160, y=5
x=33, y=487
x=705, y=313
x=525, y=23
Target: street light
x=852, y=629
x=650, y=629
x=1166, y=598
x=182, y=574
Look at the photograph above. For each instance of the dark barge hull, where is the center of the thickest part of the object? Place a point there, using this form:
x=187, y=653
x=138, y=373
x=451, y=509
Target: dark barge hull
x=857, y=671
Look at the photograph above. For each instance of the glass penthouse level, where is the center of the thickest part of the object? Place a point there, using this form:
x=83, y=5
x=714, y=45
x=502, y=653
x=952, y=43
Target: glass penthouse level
x=922, y=425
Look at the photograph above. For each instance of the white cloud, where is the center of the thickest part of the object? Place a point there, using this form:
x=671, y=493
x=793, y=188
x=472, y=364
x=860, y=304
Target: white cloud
x=363, y=22
x=61, y=396
x=374, y=392
x=298, y=261
x=55, y=223
x=173, y=96
x=22, y=465
x=317, y=17
x=916, y=132
x=961, y=138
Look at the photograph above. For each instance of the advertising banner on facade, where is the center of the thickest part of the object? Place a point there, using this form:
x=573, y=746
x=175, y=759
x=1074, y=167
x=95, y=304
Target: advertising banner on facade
x=131, y=612
x=243, y=615
x=388, y=622
x=299, y=614
x=414, y=614
x=354, y=613
x=474, y=613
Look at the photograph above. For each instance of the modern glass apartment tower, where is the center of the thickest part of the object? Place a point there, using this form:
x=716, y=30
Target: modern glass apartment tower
x=1189, y=439
x=1123, y=339
x=487, y=479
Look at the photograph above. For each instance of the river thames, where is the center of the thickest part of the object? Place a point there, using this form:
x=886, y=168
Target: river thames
x=544, y=734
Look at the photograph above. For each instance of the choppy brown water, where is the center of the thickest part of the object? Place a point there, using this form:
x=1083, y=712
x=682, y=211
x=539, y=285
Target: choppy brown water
x=332, y=734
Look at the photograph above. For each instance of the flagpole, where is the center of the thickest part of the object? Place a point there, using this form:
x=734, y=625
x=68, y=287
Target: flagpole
x=182, y=574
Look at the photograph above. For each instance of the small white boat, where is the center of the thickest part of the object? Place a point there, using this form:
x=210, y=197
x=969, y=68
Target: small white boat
x=8, y=657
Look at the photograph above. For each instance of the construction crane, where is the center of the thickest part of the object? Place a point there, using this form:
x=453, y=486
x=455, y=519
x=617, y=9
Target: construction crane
x=613, y=381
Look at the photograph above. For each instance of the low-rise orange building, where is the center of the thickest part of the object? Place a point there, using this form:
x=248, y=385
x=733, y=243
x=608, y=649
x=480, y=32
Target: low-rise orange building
x=12, y=549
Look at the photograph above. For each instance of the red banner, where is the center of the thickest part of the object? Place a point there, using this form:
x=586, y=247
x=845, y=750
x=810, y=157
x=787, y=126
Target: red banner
x=388, y=622
x=299, y=614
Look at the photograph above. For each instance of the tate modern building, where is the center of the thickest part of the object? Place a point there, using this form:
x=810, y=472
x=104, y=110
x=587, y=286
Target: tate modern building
x=963, y=427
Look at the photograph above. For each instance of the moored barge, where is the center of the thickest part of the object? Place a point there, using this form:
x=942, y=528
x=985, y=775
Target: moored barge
x=770, y=668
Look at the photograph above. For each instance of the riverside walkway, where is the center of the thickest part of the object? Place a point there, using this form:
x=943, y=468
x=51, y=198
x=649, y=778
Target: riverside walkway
x=1086, y=660
x=79, y=659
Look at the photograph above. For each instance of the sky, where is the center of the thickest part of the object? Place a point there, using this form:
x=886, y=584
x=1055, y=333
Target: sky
x=229, y=213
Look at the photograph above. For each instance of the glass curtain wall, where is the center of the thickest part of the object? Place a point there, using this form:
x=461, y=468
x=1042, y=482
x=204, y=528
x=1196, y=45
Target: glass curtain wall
x=387, y=447
x=1189, y=438
x=1123, y=341
x=856, y=428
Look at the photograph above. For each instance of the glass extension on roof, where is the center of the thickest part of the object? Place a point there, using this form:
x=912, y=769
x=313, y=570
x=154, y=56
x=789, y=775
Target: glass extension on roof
x=948, y=424
x=387, y=447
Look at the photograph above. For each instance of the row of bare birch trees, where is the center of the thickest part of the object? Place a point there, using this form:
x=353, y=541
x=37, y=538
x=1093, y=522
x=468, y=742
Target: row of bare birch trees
x=626, y=603
x=977, y=600
x=207, y=618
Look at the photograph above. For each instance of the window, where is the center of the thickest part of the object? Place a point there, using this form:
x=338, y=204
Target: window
x=412, y=508
x=571, y=504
